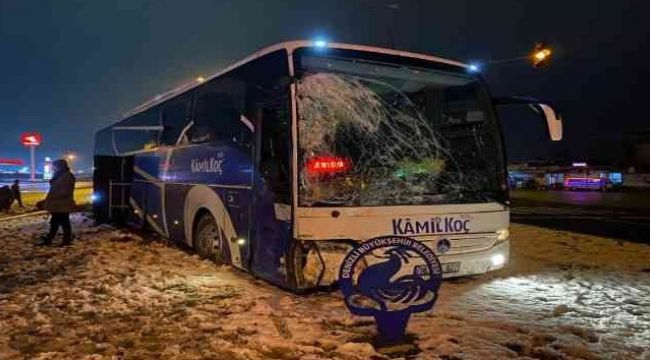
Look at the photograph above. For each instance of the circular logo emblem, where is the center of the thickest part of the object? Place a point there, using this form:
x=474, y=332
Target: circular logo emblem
x=390, y=277
x=443, y=245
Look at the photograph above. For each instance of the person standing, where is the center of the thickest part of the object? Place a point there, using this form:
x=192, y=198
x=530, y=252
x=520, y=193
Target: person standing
x=6, y=198
x=59, y=202
x=15, y=189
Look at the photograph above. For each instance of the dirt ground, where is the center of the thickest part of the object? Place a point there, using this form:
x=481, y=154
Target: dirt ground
x=118, y=295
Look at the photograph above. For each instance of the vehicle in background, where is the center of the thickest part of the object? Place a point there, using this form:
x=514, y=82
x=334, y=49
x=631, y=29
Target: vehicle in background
x=585, y=177
x=578, y=182
x=281, y=163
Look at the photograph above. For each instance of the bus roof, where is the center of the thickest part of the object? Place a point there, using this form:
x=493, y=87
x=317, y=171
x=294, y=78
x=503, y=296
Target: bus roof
x=289, y=46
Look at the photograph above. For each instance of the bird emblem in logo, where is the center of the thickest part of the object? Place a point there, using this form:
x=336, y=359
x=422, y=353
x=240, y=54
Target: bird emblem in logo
x=390, y=278
x=443, y=245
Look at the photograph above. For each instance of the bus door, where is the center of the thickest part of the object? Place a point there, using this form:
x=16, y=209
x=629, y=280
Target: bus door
x=272, y=190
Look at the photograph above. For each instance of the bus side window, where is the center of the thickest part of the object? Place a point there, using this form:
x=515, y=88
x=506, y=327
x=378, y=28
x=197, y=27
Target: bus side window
x=174, y=120
x=217, y=116
x=126, y=139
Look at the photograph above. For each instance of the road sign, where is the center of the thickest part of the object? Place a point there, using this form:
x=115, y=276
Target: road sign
x=31, y=139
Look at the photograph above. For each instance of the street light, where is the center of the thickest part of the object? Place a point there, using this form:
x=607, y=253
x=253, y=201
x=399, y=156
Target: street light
x=70, y=157
x=541, y=55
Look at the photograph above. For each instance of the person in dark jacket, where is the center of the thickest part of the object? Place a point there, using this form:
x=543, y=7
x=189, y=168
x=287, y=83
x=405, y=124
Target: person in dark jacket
x=15, y=189
x=6, y=198
x=59, y=202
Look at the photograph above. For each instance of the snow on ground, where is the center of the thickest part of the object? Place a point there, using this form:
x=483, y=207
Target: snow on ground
x=115, y=294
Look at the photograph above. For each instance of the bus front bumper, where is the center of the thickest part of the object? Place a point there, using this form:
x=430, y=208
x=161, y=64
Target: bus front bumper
x=474, y=263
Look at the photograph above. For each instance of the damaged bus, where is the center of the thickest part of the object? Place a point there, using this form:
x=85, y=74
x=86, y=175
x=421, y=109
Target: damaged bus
x=282, y=162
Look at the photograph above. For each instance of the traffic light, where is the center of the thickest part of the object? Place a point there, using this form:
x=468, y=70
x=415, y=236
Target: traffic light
x=541, y=55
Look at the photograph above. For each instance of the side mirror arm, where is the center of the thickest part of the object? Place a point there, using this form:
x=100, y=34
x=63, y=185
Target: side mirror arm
x=543, y=108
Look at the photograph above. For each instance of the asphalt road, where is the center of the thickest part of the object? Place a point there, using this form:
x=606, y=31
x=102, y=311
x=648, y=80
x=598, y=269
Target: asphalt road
x=619, y=215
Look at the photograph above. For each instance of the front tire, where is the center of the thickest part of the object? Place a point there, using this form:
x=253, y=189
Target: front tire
x=208, y=239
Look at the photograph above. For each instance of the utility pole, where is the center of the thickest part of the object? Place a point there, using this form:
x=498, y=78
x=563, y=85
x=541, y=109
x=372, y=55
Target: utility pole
x=32, y=152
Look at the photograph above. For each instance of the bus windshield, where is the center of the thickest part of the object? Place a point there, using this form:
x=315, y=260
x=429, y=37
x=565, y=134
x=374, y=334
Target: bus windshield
x=375, y=132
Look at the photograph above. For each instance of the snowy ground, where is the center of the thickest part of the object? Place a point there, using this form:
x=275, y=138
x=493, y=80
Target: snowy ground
x=117, y=295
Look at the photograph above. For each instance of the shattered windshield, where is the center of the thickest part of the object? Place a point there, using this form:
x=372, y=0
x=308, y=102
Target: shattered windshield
x=374, y=133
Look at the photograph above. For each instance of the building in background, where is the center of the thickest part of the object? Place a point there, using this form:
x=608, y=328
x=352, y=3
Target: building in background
x=551, y=175
x=47, y=168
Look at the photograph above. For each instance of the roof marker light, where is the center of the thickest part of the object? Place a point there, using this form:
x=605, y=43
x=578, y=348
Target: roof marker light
x=320, y=43
x=474, y=68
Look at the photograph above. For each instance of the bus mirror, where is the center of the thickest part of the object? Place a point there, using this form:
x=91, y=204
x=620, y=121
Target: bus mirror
x=552, y=118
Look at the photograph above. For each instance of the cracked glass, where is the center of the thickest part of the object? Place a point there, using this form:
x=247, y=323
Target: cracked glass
x=375, y=133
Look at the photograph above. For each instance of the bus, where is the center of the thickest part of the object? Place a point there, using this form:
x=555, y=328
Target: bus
x=281, y=163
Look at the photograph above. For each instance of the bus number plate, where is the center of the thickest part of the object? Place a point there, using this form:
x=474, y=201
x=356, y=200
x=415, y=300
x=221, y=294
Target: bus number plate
x=446, y=268
x=453, y=267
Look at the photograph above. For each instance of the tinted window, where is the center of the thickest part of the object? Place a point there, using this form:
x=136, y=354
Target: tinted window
x=226, y=107
x=174, y=119
x=138, y=132
x=217, y=115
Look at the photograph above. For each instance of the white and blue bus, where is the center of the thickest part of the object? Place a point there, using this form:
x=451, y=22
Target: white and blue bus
x=283, y=161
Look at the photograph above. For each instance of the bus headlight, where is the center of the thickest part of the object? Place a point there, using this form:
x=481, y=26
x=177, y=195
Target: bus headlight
x=498, y=260
x=502, y=234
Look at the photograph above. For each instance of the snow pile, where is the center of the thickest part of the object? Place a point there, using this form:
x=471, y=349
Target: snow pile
x=115, y=294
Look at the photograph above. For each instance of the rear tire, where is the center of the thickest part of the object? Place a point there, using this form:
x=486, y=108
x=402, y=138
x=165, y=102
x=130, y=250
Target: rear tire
x=208, y=239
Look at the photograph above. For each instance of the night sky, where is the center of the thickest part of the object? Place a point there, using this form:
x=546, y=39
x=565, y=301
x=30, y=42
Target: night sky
x=68, y=68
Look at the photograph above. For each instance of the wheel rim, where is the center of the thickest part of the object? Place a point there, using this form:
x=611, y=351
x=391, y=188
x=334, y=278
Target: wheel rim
x=209, y=240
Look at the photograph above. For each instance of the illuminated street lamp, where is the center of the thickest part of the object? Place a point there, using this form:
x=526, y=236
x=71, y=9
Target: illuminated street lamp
x=70, y=157
x=540, y=55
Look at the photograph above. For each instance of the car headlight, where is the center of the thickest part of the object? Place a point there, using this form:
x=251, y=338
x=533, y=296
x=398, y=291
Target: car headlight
x=502, y=234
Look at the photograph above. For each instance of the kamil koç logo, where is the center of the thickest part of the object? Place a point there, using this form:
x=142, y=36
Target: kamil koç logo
x=390, y=278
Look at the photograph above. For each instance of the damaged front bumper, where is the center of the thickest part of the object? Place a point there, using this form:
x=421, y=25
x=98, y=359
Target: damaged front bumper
x=317, y=263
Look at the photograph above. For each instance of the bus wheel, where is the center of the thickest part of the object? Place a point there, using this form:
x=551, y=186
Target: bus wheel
x=208, y=239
